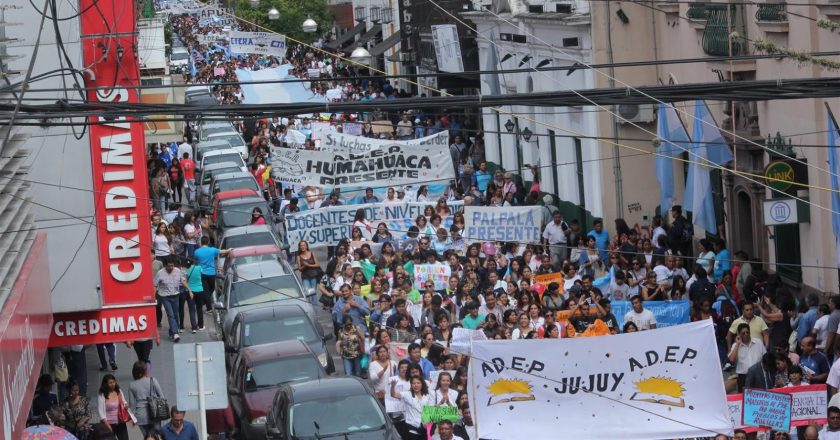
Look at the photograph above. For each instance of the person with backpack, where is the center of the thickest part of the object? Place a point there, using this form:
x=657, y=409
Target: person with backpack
x=702, y=288
x=681, y=233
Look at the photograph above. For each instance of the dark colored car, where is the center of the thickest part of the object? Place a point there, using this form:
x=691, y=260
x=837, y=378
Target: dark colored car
x=335, y=407
x=256, y=374
x=270, y=324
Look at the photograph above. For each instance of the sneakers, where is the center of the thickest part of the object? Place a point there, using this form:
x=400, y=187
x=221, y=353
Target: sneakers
x=113, y=365
x=176, y=337
x=200, y=328
x=103, y=368
x=193, y=331
x=180, y=330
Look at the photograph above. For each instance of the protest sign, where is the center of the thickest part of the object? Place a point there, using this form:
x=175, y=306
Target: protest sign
x=319, y=130
x=434, y=414
x=206, y=39
x=488, y=223
x=439, y=273
x=326, y=226
x=351, y=128
x=645, y=385
x=667, y=313
x=763, y=408
x=548, y=278
x=392, y=165
x=463, y=338
x=313, y=73
x=260, y=43
x=350, y=141
x=809, y=405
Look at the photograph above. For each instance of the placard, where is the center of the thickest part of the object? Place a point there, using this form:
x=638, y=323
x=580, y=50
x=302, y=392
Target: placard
x=810, y=404
x=434, y=414
x=667, y=313
x=763, y=408
x=351, y=128
x=520, y=224
x=313, y=73
x=439, y=273
x=351, y=141
x=260, y=43
x=548, y=278
x=463, y=338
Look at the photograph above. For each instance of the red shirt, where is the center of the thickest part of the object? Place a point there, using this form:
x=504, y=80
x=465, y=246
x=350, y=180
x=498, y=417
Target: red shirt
x=189, y=169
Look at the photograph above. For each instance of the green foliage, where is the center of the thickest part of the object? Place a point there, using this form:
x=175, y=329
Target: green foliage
x=292, y=15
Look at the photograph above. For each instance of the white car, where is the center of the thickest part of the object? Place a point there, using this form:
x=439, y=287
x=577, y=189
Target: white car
x=179, y=59
x=235, y=140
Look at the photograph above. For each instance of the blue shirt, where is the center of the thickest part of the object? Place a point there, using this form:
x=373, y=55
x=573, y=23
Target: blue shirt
x=806, y=324
x=188, y=432
x=602, y=241
x=357, y=313
x=722, y=263
x=482, y=178
x=426, y=365
x=194, y=279
x=206, y=257
x=816, y=362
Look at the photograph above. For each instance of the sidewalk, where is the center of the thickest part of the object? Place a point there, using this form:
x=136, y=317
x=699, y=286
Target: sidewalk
x=163, y=368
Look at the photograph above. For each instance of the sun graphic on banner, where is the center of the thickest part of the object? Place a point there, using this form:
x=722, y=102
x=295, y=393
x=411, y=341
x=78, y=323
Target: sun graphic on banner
x=510, y=390
x=660, y=390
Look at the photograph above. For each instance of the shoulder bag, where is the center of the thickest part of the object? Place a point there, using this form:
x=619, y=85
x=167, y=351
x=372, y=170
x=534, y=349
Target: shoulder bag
x=158, y=406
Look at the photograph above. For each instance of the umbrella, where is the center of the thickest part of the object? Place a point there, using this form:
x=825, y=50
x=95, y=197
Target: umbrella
x=46, y=432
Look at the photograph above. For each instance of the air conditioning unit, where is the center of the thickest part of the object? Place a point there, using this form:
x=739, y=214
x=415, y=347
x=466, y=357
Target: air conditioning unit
x=639, y=113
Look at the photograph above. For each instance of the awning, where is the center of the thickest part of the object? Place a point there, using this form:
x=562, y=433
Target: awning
x=386, y=44
x=369, y=35
x=347, y=36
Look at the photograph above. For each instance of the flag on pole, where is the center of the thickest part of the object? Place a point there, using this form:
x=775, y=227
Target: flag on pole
x=834, y=168
x=708, y=148
x=673, y=140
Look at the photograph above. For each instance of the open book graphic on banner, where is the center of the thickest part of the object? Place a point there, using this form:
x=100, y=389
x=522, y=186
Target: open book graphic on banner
x=507, y=390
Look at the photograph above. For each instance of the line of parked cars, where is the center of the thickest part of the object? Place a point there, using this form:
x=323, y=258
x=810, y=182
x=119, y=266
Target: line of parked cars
x=279, y=368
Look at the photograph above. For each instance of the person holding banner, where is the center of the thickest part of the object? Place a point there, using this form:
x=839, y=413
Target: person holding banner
x=413, y=400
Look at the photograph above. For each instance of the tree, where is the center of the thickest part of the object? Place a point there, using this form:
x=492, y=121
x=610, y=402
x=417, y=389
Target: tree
x=292, y=15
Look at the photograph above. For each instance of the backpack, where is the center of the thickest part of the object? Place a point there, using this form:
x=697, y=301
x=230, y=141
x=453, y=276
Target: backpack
x=687, y=233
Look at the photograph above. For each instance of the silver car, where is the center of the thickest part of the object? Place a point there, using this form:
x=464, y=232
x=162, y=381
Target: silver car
x=235, y=140
x=206, y=176
x=232, y=181
x=255, y=285
x=205, y=147
x=251, y=235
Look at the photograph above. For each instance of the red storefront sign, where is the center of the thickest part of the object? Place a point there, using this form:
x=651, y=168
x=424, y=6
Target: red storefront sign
x=106, y=325
x=121, y=196
x=25, y=322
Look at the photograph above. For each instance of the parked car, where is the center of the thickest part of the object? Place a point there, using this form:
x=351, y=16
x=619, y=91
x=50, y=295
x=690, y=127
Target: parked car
x=231, y=213
x=213, y=129
x=206, y=146
x=219, y=156
x=206, y=175
x=335, y=407
x=256, y=285
x=257, y=372
x=249, y=235
x=242, y=180
x=247, y=255
x=193, y=91
x=235, y=140
x=278, y=323
x=179, y=59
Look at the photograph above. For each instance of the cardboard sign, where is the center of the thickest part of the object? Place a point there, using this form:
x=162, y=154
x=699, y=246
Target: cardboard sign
x=434, y=414
x=763, y=408
x=548, y=278
x=810, y=405
x=439, y=273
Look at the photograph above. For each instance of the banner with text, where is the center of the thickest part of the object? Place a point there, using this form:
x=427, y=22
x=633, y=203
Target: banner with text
x=347, y=142
x=487, y=223
x=636, y=386
x=260, y=43
x=392, y=165
x=326, y=226
x=439, y=273
x=810, y=404
x=667, y=313
x=763, y=408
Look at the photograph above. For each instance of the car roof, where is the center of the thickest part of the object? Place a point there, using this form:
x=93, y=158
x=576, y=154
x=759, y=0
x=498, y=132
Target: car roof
x=262, y=269
x=212, y=143
x=179, y=49
x=326, y=387
x=224, y=133
x=273, y=312
x=221, y=152
x=263, y=352
x=233, y=175
x=219, y=166
x=260, y=249
x=248, y=229
x=235, y=193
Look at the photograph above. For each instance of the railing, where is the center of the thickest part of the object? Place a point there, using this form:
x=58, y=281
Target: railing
x=771, y=12
x=697, y=11
x=720, y=22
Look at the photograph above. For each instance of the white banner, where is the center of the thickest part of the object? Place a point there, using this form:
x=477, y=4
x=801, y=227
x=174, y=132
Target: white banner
x=488, y=223
x=313, y=73
x=348, y=143
x=393, y=165
x=447, y=48
x=326, y=226
x=206, y=39
x=261, y=43
x=653, y=384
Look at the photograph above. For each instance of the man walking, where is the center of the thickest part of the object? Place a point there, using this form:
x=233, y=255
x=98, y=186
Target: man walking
x=178, y=428
x=167, y=282
x=206, y=256
x=554, y=238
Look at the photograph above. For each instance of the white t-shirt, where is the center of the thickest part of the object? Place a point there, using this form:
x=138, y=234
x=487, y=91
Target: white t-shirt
x=834, y=375
x=383, y=383
x=821, y=329
x=663, y=274
x=657, y=231
x=189, y=230
x=414, y=407
x=642, y=320
x=161, y=245
x=440, y=398
x=826, y=435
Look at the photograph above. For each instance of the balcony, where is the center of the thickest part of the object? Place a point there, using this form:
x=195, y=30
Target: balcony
x=720, y=22
x=697, y=11
x=772, y=17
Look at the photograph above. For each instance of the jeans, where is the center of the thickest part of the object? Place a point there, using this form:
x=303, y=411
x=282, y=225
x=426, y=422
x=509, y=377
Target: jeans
x=170, y=303
x=161, y=203
x=112, y=354
x=311, y=283
x=190, y=249
x=189, y=189
x=184, y=297
x=353, y=367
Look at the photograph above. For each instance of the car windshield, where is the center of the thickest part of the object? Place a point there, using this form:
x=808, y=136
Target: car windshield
x=177, y=56
x=240, y=215
x=210, y=130
x=274, y=330
x=208, y=175
x=336, y=415
x=263, y=290
x=250, y=239
x=202, y=151
x=279, y=371
x=237, y=183
x=224, y=157
x=233, y=139
x=248, y=259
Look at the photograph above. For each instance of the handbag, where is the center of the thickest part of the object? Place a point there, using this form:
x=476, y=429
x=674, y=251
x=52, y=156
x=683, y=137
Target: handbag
x=122, y=412
x=158, y=406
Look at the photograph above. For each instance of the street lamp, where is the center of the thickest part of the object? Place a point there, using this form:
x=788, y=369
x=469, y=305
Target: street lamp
x=360, y=55
x=309, y=25
x=273, y=14
x=509, y=126
x=526, y=134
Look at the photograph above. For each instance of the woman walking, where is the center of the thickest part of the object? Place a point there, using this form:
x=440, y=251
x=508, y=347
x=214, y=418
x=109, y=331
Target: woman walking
x=176, y=178
x=351, y=345
x=308, y=265
x=76, y=409
x=139, y=391
x=113, y=409
x=413, y=400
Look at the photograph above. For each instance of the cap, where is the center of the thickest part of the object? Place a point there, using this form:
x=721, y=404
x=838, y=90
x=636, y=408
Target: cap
x=401, y=189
